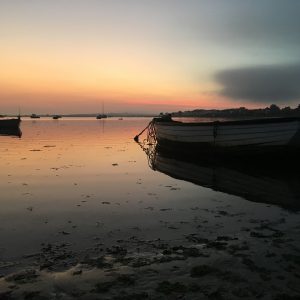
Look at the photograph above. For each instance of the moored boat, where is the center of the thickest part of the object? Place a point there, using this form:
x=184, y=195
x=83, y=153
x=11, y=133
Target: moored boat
x=34, y=116
x=56, y=117
x=13, y=123
x=101, y=116
x=234, y=136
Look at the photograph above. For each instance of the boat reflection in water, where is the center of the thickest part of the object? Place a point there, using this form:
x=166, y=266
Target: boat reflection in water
x=14, y=132
x=265, y=182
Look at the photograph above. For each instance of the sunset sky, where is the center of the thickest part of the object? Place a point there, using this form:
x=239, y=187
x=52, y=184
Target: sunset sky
x=70, y=56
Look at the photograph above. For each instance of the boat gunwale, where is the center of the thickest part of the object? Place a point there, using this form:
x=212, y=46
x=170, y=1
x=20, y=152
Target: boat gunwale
x=11, y=123
x=229, y=122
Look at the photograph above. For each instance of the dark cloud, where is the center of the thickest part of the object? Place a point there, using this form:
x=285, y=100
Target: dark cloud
x=257, y=28
x=266, y=23
x=265, y=84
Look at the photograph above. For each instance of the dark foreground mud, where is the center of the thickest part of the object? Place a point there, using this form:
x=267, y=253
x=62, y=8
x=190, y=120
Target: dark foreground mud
x=260, y=261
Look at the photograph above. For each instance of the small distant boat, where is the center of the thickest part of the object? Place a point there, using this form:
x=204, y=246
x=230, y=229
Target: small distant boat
x=34, y=116
x=13, y=123
x=56, y=117
x=101, y=116
x=227, y=136
x=120, y=119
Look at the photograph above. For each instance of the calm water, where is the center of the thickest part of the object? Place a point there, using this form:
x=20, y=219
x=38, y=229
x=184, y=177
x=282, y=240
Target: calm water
x=85, y=182
x=88, y=178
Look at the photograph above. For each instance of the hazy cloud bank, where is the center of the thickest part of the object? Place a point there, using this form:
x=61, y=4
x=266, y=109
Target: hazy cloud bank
x=266, y=84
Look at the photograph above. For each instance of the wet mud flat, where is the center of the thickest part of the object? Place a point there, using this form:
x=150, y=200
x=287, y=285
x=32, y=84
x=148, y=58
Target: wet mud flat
x=259, y=259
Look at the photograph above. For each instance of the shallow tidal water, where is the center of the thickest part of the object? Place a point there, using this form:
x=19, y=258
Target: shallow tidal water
x=84, y=216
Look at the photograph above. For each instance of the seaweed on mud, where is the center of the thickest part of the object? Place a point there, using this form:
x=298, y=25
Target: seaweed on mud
x=126, y=279
x=217, y=245
x=254, y=268
x=196, y=239
x=226, y=238
x=166, y=287
x=292, y=258
x=123, y=280
x=78, y=272
x=5, y=295
x=23, y=277
x=103, y=287
x=98, y=262
x=33, y=295
x=202, y=270
x=117, y=251
x=232, y=249
x=134, y=296
x=187, y=251
x=284, y=296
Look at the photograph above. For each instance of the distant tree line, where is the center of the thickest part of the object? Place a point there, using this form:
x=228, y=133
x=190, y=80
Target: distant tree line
x=272, y=111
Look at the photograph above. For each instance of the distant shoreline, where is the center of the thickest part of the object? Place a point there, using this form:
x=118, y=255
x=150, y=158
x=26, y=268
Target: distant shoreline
x=240, y=113
x=85, y=115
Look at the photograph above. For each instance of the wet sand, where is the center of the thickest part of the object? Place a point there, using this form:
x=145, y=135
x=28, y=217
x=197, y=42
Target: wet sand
x=84, y=217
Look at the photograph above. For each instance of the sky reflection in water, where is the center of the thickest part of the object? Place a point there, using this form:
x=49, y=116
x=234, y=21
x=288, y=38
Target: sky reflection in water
x=81, y=180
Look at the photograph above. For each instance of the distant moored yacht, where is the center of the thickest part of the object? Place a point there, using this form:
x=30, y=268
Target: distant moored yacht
x=103, y=115
x=34, y=116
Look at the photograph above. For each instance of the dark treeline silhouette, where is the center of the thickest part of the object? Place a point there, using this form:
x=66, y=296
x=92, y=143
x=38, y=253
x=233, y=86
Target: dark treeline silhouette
x=272, y=111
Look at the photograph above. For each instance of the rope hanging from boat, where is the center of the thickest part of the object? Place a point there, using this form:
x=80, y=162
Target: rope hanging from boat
x=136, y=138
x=148, y=145
x=151, y=134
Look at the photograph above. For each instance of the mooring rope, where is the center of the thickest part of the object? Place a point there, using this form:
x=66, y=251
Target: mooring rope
x=151, y=134
x=136, y=138
x=148, y=145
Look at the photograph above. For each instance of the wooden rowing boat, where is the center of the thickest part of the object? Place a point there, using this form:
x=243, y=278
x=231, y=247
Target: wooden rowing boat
x=10, y=123
x=263, y=134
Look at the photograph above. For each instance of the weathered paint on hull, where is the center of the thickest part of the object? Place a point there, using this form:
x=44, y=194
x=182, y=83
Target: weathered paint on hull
x=275, y=133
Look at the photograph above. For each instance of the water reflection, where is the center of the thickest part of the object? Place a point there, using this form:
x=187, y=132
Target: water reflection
x=254, y=181
x=15, y=132
x=79, y=202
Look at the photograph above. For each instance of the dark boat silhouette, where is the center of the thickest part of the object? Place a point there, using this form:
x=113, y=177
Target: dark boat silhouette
x=11, y=132
x=235, y=137
x=101, y=116
x=56, y=117
x=34, y=116
x=7, y=124
x=272, y=183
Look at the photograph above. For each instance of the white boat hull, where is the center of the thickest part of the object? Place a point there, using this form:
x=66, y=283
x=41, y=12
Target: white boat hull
x=229, y=134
